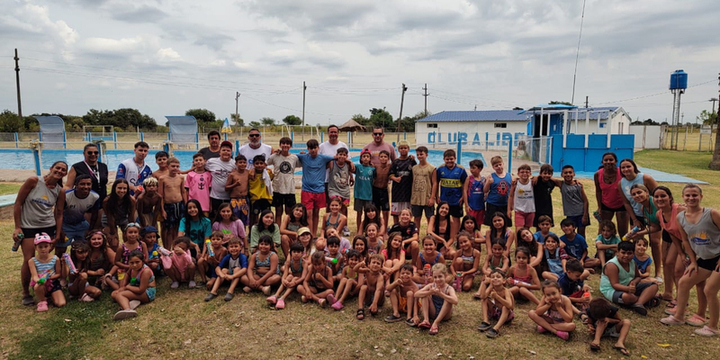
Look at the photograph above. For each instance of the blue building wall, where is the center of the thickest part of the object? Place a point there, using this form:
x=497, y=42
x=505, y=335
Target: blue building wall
x=589, y=159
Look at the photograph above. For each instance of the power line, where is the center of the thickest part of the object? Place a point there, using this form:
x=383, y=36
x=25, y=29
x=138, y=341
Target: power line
x=652, y=95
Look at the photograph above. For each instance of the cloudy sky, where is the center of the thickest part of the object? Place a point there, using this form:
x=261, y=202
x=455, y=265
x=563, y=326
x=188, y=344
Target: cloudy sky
x=164, y=57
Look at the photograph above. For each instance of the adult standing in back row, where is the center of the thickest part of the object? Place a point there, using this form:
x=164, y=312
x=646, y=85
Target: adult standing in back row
x=378, y=145
x=330, y=148
x=254, y=147
x=90, y=166
x=212, y=151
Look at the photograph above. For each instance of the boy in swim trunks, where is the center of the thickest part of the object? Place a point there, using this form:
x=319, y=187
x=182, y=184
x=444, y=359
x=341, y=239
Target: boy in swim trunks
x=371, y=285
x=174, y=196
x=402, y=292
x=237, y=186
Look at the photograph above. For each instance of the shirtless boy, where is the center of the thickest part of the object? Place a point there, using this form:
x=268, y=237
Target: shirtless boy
x=174, y=196
x=237, y=186
x=371, y=285
x=150, y=203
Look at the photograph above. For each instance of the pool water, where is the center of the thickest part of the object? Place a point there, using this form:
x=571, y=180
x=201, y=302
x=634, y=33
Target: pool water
x=22, y=159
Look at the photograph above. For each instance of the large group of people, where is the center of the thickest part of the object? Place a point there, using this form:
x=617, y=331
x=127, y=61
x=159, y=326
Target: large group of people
x=217, y=226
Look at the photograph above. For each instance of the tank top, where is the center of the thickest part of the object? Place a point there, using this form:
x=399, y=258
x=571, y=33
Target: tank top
x=650, y=216
x=339, y=181
x=476, y=194
x=468, y=259
x=610, y=195
x=425, y=262
x=333, y=224
x=624, y=277
x=670, y=225
x=292, y=227
x=524, y=199
x=47, y=267
x=499, y=189
x=572, y=199
x=37, y=210
x=526, y=279
x=626, y=186
x=704, y=236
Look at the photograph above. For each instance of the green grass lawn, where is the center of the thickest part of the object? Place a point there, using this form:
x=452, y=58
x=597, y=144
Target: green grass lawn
x=179, y=324
x=9, y=188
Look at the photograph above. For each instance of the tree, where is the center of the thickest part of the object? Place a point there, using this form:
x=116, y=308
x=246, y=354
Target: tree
x=237, y=120
x=202, y=115
x=10, y=122
x=707, y=118
x=267, y=121
x=121, y=118
x=255, y=124
x=292, y=120
x=380, y=117
x=362, y=120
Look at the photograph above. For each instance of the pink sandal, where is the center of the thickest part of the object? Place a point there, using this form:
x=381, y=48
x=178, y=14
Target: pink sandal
x=42, y=306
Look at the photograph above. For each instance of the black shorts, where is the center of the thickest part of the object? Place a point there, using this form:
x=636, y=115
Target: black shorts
x=30, y=233
x=609, y=209
x=174, y=212
x=259, y=206
x=709, y=264
x=418, y=210
x=283, y=200
x=491, y=209
x=456, y=211
x=381, y=199
x=215, y=204
x=666, y=237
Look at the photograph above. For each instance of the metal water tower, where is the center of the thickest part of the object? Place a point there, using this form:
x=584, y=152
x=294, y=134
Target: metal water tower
x=678, y=84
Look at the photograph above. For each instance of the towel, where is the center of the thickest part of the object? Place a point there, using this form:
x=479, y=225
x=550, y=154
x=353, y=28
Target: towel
x=268, y=181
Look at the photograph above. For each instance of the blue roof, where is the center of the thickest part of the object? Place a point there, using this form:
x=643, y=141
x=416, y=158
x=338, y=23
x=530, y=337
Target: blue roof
x=484, y=115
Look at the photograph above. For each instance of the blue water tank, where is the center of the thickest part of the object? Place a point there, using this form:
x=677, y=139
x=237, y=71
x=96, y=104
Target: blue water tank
x=678, y=80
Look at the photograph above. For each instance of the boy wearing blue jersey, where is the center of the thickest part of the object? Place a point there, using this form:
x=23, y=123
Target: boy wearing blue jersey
x=450, y=179
x=497, y=186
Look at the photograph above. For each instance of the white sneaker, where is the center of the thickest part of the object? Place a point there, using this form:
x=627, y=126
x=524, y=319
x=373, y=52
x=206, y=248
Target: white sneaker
x=346, y=231
x=659, y=280
x=134, y=304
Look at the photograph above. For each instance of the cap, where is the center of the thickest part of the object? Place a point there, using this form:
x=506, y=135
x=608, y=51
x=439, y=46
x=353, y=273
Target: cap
x=365, y=151
x=303, y=230
x=403, y=143
x=226, y=144
x=149, y=229
x=42, y=237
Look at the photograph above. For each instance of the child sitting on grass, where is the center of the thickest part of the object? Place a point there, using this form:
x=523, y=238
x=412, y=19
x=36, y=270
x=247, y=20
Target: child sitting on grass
x=554, y=313
x=78, y=286
x=467, y=261
x=182, y=266
x=426, y=259
x=371, y=285
x=293, y=276
x=607, y=241
x=441, y=296
x=497, y=303
x=495, y=260
x=349, y=275
x=402, y=297
x=137, y=287
x=603, y=320
x=207, y=263
x=46, y=271
x=232, y=268
x=522, y=278
x=263, y=270
x=318, y=284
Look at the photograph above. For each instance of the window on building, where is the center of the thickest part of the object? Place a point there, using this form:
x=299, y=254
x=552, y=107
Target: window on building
x=433, y=126
x=501, y=125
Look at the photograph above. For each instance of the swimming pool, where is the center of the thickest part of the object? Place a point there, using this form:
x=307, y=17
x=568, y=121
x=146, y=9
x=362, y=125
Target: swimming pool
x=22, y=159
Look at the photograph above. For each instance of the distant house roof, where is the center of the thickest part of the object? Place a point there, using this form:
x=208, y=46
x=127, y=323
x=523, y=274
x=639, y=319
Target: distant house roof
x=484, y=115
x=603, y=111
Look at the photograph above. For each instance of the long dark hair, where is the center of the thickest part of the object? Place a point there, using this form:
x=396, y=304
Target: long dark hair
x=436, y=224
x=303, y=219
x=261, y=225
x=218, y=217
x=200, y=214
x=114, y=202
x=84, y=247
x=366, y=220
x=493, y=231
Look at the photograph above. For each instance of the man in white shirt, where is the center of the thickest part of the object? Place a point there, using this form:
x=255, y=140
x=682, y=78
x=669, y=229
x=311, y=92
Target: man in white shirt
x=254, y=148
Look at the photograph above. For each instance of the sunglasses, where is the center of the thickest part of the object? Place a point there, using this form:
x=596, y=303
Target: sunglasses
x=254, y=135
x=377, y=134
x=93, y=152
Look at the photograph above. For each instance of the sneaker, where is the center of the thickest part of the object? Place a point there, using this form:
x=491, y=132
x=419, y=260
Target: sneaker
x=541, y=329
x=134, y=304
x=671, y=320
x=271, y=300
x=322, y=302
x=210, y=296
x=42, y=306
x=266, y=290
x=639, y=309
x=331, y=299
x=280, y=304
x=563, y=335
x=229, y=296
x=191, y=285
x=174, y=285
x=707, y=331
x=484, y=326
x=337, y=306
x=124, y=314
x=492, y=333
x=88, y=298
x=671, y=310
x=659, y=280
x=303, y=299
x=696, y=320
x=392, y=318
x=28, y=300
x=346, y=231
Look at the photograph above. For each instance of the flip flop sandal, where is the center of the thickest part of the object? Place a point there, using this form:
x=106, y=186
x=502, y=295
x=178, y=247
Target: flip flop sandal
x=672, y=303
x=360, y=314
x=594, y=347
x=433, y=330
x=410, y=323
x=424, y=325
x=622, y=350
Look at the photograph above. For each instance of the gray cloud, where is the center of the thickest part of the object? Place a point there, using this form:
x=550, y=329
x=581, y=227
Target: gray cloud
x=141, y=14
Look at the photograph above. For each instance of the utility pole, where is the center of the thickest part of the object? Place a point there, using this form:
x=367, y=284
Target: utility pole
x=303, y=113
x=237, y=116
x=17, y=83
x=586, y=101
x=426, y=96
x=402, y=101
